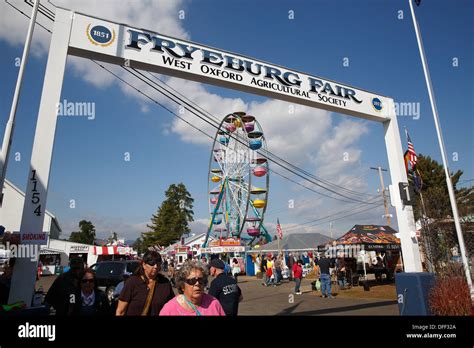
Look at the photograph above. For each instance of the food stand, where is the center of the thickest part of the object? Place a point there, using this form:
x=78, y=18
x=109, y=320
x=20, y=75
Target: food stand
x=227, y=249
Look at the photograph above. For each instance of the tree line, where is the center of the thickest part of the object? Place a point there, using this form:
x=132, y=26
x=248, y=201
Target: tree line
x=167, y=225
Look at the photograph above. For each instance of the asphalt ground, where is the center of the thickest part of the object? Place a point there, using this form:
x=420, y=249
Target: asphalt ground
x=280, y=300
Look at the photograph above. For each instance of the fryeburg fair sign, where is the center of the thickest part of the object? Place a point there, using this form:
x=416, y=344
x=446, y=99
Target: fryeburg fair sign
x=156, y=52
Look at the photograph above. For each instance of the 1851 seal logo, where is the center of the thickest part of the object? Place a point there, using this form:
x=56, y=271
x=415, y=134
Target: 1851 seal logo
x=377, y=104
x=100, y=36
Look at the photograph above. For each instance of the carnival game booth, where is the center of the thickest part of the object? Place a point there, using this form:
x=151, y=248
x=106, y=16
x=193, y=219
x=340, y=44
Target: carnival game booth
x=227, y=249
x=361, y=247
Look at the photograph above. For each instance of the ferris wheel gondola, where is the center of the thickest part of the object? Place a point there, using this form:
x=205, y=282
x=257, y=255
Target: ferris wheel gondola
x=238, y=180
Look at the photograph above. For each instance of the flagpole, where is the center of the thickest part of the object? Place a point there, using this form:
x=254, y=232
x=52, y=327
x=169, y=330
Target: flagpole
x=434, y=109
x=7, y=137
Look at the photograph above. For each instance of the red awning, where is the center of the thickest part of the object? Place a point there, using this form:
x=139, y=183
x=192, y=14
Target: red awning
x=105, y=250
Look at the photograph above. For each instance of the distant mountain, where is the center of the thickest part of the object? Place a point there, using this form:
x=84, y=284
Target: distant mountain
x=298, y=241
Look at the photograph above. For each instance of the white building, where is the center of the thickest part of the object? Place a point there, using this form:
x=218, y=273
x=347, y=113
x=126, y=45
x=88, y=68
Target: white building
x=59, y=252
x=12, y=209
x=192, y=244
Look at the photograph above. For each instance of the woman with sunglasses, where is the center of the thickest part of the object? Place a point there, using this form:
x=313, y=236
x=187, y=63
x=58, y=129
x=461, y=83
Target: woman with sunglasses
x=192, y=300
x=146, y=292
x=93, y=301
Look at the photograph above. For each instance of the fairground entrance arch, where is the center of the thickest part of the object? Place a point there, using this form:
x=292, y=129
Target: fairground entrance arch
x=94, y=38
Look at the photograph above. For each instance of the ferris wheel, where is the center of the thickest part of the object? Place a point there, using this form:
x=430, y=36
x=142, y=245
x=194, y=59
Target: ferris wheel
x=238, y=179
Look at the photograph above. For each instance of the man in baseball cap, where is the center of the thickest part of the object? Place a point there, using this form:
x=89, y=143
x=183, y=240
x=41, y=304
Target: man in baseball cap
x=217, y=263
x=224, y=288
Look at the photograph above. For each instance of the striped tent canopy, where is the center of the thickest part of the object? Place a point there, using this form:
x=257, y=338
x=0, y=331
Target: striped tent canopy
x=371, y=237
x=112, y=250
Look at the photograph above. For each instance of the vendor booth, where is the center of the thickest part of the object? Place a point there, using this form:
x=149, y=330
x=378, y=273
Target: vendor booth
x=227, y=249
x=369, y=249
x=50, y=261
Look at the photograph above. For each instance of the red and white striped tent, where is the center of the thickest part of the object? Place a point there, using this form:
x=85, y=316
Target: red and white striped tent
x=112, y=250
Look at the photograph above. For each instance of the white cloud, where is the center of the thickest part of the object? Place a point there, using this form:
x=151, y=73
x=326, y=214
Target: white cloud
x=145, y=108
x=160, y=16
x=104, y=226
x=199, y=226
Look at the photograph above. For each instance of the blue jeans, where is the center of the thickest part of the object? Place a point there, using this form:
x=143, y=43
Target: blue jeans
x=298, y=284
x=326, y=284
x=278, y=276
x=342, y=282
x=269, y=280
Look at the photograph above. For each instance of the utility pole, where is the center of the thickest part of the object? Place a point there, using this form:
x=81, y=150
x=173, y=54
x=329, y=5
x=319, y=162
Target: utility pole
x=330, y=229
x=384, y=196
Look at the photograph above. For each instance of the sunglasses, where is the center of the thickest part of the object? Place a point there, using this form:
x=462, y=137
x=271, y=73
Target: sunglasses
x=193, y=281
x=153, y=262
x=84, y=281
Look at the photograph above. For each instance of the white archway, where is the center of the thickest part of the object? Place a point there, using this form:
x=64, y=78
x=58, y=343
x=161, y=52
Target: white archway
x=90, y=37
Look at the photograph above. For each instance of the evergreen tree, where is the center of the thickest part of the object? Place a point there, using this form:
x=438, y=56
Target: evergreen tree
x=439, y=234
x=138, y=246
x=435, y=190
x=86, y=235
x=172, y=219
x=179, y=196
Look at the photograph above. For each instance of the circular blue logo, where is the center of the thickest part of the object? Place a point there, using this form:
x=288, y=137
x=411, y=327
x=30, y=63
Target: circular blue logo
x=100, y=35
x=377, y=104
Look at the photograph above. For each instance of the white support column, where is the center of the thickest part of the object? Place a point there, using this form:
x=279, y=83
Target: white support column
x=405, y=217
x=24, y=272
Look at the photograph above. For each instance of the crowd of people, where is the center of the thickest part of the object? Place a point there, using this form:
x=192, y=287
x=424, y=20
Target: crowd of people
x=156, y=288
x=161, y=287
x=272, y=267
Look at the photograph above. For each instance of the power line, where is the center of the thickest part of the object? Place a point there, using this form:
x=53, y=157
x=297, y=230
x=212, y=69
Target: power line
x=309, y=199
x=173, y=97
x=195, y=106
x=326, y=217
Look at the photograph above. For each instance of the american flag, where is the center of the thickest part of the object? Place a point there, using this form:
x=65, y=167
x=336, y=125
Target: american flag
x=411, y=152
x=280, y=233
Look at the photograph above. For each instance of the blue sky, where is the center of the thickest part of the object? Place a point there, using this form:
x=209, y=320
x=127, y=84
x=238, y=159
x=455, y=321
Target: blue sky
x=88, y=162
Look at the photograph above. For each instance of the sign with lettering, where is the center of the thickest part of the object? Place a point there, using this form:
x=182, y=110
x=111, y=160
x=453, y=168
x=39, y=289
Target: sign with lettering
x=147, y=50
x=226, y=242
x=227, y=249
x=79, y=249
x=34, y=238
